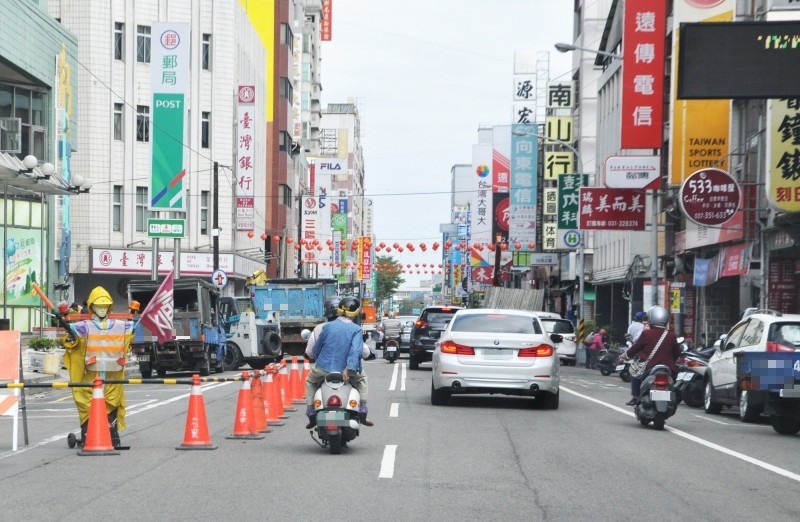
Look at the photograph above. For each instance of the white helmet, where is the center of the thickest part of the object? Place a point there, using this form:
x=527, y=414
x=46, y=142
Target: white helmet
x=658, y=316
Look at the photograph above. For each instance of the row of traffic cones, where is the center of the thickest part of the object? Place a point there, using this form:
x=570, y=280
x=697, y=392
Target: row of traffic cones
x=263, y=401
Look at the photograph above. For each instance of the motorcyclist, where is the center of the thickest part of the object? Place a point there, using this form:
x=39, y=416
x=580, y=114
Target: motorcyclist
x=391, y=328
x=668, y=352
x=331, y=311
x=339, y=348
x=636, y=327
x=99, y=350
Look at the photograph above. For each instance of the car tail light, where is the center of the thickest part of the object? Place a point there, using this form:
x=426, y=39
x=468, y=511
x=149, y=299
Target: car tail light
x=776, y=347
x=536, y=351
x=334, y=401
x=421, y=324
x=661, y=381
x=457, y=349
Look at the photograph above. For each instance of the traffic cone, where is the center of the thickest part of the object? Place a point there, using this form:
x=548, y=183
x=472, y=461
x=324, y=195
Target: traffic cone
x=98, y=434
x=259, y=416
x=196, y=436
x=271, y=405
x=286, y=395
x=295, y=386
x=277, y=397
x=243, y=423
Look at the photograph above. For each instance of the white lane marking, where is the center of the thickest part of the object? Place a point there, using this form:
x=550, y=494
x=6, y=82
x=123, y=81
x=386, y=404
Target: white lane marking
x=61, y=436
x=710, y=420
x=387, y=463
x=394, y=410
x=716, y=447
x=403, y=380
x=393, y=384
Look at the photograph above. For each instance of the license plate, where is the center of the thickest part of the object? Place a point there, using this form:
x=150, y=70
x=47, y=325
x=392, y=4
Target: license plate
x=391, y=348
x=143, y=358
x=683, y=376
x=687, y=377
x=496, y=355
x=332, y=418
x=620, y=367
x=660, y=395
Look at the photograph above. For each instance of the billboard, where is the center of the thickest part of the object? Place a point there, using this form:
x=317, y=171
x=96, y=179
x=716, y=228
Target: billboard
x=738, y=60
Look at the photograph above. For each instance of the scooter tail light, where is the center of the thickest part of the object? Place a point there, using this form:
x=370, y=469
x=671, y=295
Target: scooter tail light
x=661, y=381
x=695, y=364
x=317, y=404
x=334, y=401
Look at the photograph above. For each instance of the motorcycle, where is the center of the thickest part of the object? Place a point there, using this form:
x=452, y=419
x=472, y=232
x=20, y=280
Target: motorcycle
x=623, y=366
x=657, y=400
x=336, y=405
x=689, y=383
x=391, y=349
x=607, y=361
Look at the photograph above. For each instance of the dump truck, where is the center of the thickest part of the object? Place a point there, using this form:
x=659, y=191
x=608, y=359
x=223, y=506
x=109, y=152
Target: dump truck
x=294, y=303
x=252, y=338
x=199, y=338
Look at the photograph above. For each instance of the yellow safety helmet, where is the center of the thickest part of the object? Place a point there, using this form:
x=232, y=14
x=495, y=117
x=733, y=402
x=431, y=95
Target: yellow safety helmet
x=99, y=296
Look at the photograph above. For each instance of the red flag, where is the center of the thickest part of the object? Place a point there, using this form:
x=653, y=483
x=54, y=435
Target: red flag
x=157, y=316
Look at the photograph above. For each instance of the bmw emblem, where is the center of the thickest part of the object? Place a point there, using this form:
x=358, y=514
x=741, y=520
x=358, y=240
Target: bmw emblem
x=496, y=343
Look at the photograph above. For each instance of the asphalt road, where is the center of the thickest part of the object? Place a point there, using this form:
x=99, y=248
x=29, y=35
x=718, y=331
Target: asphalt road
x=480, y=458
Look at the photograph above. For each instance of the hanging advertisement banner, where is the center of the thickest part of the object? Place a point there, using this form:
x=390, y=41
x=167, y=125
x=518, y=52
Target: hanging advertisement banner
x=22, y=255
x=326, y=23
x=611, y=209
x=309, y=223
x=783, y=151
x=524, y=161
x=245, y=159
x=644, y=30
x=169, y=85
x=699, y=129
x=481, y=207
x=339, y=225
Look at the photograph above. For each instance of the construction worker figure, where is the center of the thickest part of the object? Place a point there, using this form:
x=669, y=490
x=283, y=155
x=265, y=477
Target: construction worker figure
x=100, y=350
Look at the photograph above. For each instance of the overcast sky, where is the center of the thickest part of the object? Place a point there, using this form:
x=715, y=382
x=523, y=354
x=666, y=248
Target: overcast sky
x=425, y=74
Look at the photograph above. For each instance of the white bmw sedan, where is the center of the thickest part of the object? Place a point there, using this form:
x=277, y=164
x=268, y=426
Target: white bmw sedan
x=496, y=351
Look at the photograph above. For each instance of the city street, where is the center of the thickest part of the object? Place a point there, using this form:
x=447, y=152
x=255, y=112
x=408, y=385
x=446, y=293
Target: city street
x=485, y=458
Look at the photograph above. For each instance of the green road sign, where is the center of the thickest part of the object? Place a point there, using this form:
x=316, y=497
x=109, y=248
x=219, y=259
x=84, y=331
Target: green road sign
x=166, y=228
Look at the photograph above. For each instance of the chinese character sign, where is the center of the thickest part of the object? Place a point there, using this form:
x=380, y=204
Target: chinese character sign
x=364, y=258
x=550, y=207
x=561, y=95
x=481, y=204
x=169, y=84
x=524, y=176
x=525, y=88
x=326, y=23
x=783, y=177
x=643, y=74
x=245, y=159
x=568, y=193
x=611, y=209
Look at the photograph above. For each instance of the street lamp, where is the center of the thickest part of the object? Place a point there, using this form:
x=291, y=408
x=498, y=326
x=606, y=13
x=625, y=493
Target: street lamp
x=581, y=246
x=80, y=185
x=30, y=163
x=565, y=48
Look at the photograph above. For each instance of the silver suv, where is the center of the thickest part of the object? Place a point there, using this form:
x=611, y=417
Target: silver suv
x=763, y=331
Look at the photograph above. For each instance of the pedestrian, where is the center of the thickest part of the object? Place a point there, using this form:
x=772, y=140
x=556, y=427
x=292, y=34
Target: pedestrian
x=594, y=348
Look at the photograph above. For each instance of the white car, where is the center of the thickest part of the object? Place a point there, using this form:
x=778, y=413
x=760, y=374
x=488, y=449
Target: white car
x=567, y=348
x=763, y=331
x=496, y=351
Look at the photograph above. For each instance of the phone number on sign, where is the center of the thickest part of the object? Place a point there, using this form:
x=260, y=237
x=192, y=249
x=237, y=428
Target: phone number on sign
x=710, y=215
x=623, y=224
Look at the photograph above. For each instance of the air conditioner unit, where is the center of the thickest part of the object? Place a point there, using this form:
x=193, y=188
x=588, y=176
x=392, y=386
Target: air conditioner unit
x=11, y=135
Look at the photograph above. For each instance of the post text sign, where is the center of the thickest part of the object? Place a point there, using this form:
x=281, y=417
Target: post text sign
x=710, y=197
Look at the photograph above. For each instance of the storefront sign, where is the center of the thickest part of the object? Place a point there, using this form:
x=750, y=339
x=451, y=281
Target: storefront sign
x=22, y=255
x=782, y=289
x=644, y=29
x=174, y=228
x=783, y=154
x=736, y=260
x=710, y=197
x=633, y=172
x=246, y=158
x=611, y=209
x=326, y=23
x=524, y=164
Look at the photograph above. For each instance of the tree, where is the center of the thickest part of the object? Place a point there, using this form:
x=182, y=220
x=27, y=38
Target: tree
x=388, y=277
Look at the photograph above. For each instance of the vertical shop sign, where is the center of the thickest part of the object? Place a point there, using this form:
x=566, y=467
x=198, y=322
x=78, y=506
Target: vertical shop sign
x=245, y=159
x=782, y=285
x=783, y=154
x=524, y=161
x=169, y=84
x=326, y=24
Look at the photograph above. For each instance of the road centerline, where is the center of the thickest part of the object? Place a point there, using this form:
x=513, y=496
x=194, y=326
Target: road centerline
x=387, y=463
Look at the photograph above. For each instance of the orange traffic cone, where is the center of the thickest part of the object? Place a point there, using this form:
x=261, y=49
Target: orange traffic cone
x=196, y=436
x=243, y=423
x=286, y=395
x=98, y=434
x=271, y=405
x=259, y=416
x=277, y=397
x=295, y=386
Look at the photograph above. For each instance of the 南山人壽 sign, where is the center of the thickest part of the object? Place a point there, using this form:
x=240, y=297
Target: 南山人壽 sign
x=783, y=154
x=169, y=84
x=710, y=197
x=633, y=172
x=611, y=209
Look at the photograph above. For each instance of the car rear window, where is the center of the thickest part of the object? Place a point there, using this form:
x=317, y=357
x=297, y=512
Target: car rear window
x=785, y=333
x=438, y=317
x=558, y=326
x=500, y=323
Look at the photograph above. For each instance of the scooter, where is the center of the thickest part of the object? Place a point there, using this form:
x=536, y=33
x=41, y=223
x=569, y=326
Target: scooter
x=607, y=362
x=391, y=349
x=623, y=366
x=689, y=382
x=657, y=401
x=336, y=405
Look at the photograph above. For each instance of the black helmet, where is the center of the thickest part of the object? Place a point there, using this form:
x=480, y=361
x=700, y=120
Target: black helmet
x=332, y=307
x=349, y=307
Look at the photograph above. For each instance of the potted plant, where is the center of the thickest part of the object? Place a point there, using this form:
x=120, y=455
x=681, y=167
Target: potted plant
x=41, y=350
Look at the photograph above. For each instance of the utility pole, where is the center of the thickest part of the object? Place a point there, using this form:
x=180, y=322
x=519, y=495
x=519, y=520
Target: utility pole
x=215, y=218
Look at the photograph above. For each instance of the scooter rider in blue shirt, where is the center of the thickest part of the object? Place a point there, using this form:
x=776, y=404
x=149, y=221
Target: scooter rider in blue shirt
x=338, y=350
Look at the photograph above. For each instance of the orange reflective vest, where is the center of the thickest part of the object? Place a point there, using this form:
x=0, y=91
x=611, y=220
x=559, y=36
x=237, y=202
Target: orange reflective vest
x=105, y=348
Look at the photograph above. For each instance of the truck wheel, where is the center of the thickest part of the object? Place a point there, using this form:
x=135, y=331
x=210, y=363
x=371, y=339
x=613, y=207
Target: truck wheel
x=748, y=412
x=232, y=360
x=785, y=425
x=203, y=366
x=146, y=371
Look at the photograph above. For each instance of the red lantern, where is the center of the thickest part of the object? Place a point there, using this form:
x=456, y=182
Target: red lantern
x=396, y=245
x=329, y=242
x=263, y=237
x=399, y=249
x=436, y=246
x=388, y=249
x=416, y=265
x=422, y=246
x=409, y=246
x=297, y=247
x=330, y=248
x=490, y=246
x=448, y=244
x=277, y=239
x=531, y=245
x=250, y=234
x=458, y=247
x=302, y=241
x=290, y=240
x=504, y=246
x=343, y=242
x=517, y=245
x=382, y=244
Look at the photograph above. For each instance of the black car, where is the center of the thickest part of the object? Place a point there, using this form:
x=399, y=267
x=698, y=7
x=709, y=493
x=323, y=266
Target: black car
x=429, y=326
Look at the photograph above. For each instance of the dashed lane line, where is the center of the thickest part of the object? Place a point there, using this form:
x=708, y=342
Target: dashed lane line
x=403, y=380
x=394, y=410
x=393, y=383
x=387, y=463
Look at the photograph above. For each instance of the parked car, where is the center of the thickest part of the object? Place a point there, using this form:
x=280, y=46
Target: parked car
x=405, y=334
x=430, y=324
x=764, y=332
x=496, y=351
x=554, y=324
